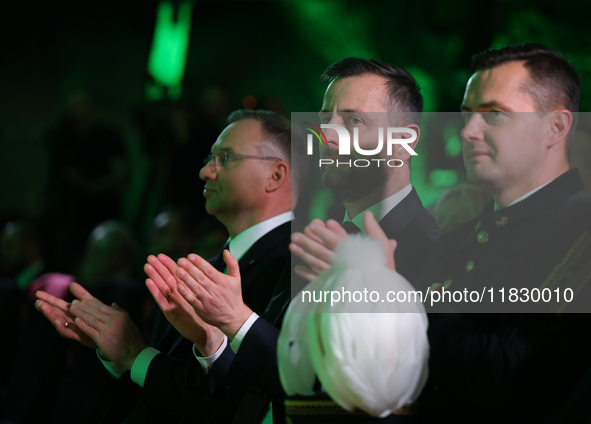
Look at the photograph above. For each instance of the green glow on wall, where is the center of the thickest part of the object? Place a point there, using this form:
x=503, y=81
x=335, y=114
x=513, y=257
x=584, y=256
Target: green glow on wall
x=443, y=178
x=321, y=201
x=333, y=28
x=168, y=56
x=428, y=89
x=153, y=92
x=453, y=143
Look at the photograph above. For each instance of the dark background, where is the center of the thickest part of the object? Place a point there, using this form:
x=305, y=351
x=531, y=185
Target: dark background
x=264, y=54
x=272, y=50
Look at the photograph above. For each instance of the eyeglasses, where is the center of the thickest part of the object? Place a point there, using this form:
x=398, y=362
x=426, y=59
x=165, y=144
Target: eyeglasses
x=222, y=158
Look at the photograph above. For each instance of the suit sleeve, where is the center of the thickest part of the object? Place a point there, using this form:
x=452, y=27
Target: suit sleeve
x=507, y=359
x=254, y=366
x=173, y=392
x=182, y=382
x=256, y=362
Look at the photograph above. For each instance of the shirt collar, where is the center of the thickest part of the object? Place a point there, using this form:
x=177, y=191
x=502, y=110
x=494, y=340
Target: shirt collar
x=380, y=209
x=525, y=196
x=240, y=244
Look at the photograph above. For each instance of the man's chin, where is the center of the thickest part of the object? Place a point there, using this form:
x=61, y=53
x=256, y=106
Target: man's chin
x=334, y=178
x=210, y=207
x=477, y=176
x=348, y=185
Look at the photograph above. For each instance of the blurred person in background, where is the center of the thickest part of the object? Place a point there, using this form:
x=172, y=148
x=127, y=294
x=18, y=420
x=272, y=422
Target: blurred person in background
x=88, y=169
x=459, y=204
x=32, y=357
x=248, y=178
x=176, y=232
x=110, y=268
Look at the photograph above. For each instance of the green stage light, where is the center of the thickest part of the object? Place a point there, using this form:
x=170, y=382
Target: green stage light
x=168, y=56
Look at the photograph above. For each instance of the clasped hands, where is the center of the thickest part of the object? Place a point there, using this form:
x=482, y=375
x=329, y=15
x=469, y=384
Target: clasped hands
x=316, y=245
x=89, y=321
x=202, y=303
x=216, y=298
x=198, y=299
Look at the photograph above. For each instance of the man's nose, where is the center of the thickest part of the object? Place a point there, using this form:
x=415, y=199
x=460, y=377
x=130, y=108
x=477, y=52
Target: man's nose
x=471, y=131
x=208, y=172
x=331, y=134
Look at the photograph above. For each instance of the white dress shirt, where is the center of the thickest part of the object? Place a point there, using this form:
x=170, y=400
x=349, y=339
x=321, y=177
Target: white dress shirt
x=380, y=209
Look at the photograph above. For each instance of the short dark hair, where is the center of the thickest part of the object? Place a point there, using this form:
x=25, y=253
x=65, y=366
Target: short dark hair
x=555, y=82
x=404, y=92
x=279, y=131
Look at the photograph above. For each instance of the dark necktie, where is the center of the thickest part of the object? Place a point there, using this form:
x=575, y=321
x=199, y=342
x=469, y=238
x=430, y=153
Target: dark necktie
x=351, y=228
x=219, y=263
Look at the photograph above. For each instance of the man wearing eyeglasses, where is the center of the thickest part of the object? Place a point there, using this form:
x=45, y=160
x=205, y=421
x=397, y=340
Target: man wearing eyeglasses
x=363, y=93
x=248, y=182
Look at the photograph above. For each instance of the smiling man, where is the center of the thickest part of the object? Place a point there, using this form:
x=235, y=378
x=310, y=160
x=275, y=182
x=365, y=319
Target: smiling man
x=520, y=109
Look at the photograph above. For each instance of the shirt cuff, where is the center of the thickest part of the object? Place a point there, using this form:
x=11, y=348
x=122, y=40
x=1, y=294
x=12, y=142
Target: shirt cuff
x=115, y=370
x=206, y=362
x=140, y=366
x=235, y=344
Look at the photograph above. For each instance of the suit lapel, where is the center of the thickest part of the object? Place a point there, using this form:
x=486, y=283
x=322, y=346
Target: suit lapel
x=402, y=214
x=263, y=245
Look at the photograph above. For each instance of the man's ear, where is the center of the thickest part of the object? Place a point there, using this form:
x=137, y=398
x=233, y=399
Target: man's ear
x=401, y=152
x=278, y=176
x=560, y=124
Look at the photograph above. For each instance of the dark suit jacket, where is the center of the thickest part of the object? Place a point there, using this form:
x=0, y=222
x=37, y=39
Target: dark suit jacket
x=171, y=393
x=511, y=367
x=415, y=230
x=255, y=365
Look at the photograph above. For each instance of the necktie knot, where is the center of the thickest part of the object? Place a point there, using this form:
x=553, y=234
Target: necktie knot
x=351, y=228
x=219, y=263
